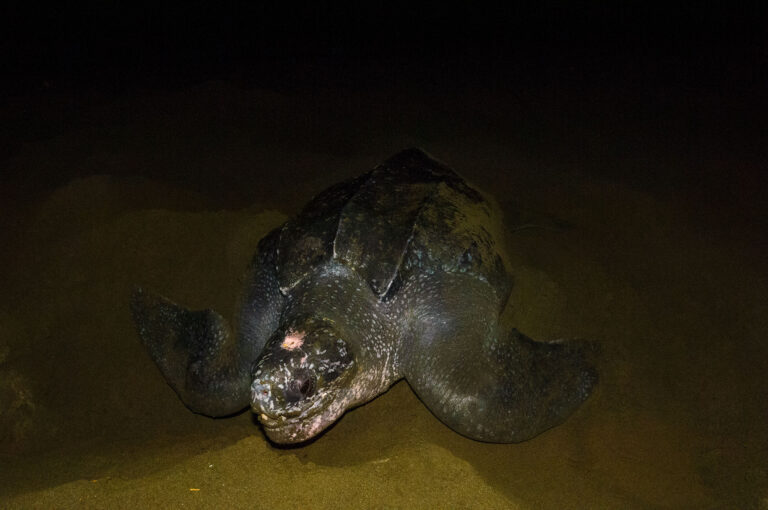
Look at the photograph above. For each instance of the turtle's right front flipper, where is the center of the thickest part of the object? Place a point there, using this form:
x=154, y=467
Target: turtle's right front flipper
x=208, y=366
x=195, y=353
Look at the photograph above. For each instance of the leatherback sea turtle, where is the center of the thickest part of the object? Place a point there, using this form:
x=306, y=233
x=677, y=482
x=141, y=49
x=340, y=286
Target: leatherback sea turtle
x=397, y=273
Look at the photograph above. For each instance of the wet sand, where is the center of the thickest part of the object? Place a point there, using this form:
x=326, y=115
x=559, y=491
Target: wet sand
x=172, y=189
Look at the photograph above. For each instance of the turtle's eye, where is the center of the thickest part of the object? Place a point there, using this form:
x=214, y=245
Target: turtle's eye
x=300, y=387
x=306, y=386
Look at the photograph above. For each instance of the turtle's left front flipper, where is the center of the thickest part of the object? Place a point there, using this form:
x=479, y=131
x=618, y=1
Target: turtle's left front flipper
x=481, y=381
x=195, y=352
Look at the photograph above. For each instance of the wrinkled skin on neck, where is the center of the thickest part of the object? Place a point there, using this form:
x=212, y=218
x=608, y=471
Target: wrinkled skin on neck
x=335, y=349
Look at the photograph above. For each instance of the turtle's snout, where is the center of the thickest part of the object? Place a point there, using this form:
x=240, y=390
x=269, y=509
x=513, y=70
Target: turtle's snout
x=260, y=396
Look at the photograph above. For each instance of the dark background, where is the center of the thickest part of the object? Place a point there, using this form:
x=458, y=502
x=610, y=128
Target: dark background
x=630, y=74
x=135, y=41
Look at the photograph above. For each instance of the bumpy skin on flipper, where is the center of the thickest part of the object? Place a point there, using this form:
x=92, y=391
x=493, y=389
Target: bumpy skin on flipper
x=396, y=273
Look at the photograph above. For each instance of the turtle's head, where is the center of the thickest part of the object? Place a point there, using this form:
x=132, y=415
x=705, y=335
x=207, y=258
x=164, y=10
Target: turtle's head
x=302, y=381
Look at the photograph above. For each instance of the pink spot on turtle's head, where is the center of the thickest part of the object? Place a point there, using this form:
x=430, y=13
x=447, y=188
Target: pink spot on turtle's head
x=293, y=340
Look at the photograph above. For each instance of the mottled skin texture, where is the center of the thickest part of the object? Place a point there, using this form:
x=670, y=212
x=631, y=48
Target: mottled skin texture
x=397, y=273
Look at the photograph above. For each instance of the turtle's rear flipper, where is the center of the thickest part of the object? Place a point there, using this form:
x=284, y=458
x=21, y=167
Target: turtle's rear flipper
x=487, y=384
x=195, y=353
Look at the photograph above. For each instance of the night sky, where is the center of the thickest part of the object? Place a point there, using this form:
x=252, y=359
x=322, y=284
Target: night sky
x=693, y=69
x=127, y=41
